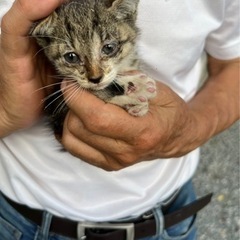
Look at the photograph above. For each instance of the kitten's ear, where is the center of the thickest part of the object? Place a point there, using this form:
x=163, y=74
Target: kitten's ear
x=122, y=8
x=41, y=30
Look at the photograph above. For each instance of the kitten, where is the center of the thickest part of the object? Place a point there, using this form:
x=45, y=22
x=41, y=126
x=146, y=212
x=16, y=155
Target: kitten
x=93, y=43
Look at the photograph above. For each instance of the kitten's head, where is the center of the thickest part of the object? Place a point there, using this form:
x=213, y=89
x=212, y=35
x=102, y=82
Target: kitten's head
x=90, y=41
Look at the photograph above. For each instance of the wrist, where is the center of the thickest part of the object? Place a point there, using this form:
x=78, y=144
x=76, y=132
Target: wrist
x=201, y=128
x=185, y=134
x=194, y=130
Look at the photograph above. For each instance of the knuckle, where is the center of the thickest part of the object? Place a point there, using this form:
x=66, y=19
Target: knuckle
x=111, y=164
x=65, y=140
x=127, y=160
x=9, y=21
x=5, y=24
x=23, y=7
x=119, y=162
x=97, y=123
x=147, y=141
x=71, y=123
x=112, y=169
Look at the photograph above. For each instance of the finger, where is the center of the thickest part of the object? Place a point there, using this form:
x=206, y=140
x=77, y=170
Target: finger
x=101, y=151
x=118, y=154
x=99, y=117
x=102, y=143
x=83, y=151
x=90, y=155
x=87, y=152
x=18, y=20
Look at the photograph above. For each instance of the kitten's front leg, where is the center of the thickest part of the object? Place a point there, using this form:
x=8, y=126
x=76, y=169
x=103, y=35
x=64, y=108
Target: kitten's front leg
x=138, y=89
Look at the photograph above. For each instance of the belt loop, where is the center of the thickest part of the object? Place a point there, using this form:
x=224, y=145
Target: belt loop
x=159, y=218
x=46, y=223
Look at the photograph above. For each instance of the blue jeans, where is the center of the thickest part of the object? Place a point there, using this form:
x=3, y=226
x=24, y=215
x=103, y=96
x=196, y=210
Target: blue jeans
x=14, y=226
x=185, y=230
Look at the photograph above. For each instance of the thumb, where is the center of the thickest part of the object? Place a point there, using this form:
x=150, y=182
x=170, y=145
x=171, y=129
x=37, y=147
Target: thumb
x=17, y=22
x=79, y=100
x=97, y=116
x=89, y=108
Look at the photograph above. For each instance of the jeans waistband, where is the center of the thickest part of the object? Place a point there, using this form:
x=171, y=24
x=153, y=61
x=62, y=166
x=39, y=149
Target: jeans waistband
x=141, y=227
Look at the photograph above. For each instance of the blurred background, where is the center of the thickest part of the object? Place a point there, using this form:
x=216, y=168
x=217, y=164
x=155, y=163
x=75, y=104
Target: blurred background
x=219, y=172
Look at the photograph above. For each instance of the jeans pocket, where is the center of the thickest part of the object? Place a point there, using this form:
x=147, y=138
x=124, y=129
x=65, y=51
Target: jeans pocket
x=185, y=230
x=8, y=231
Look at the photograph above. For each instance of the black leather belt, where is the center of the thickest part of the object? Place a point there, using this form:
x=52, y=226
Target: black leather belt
x=111, y=231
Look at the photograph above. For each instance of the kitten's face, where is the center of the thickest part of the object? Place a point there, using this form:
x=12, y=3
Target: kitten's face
x=90, y=41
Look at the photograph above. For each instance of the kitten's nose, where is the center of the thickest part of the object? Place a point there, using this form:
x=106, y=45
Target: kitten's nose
x=95, y=80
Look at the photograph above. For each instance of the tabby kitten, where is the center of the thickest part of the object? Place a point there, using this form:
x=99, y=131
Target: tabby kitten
x=93, y=43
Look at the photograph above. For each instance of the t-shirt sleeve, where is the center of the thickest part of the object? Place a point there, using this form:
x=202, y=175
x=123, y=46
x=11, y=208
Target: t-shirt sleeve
x=224, y=42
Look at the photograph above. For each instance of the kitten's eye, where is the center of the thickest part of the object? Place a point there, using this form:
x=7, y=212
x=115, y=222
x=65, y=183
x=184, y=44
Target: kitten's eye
x=110, y=49
x=71, y=57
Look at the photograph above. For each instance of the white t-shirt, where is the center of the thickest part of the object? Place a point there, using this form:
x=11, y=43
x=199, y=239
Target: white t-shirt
x=174, y=38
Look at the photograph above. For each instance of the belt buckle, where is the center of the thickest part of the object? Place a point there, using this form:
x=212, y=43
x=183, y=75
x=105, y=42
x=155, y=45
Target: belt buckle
x=129, y=227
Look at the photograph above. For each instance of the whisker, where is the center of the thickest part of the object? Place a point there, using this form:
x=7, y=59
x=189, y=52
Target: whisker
x=119, y=87
x=64, y=101
x=34, y=37
x=54, y=100
x=48, y=86
x=79, y=89
x=54, y=84
x=60, y=106
x=56, y=76
x=43, y=48
x=52, y=94
x=48, y=36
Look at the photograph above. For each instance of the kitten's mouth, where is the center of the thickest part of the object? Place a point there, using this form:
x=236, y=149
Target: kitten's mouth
x=96, y=84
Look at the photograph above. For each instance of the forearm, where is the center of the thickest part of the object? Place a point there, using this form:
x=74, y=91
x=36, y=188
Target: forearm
x=216, y=106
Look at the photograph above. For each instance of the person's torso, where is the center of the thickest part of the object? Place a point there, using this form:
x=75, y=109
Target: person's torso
x=35, y=171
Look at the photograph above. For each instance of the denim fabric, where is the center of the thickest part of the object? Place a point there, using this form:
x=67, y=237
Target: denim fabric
x=13, y=226
x=185, y=230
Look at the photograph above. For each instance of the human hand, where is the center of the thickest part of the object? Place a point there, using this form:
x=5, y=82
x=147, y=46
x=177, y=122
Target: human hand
x=22, y=71
x=108, y=137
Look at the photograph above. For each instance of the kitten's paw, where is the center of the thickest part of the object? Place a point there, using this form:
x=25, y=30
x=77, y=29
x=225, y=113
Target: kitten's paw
x=139, y=89
x=141, y=86
x=137, y=110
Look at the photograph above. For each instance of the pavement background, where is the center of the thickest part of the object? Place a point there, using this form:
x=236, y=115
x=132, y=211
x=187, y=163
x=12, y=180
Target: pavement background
x=219, y=172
